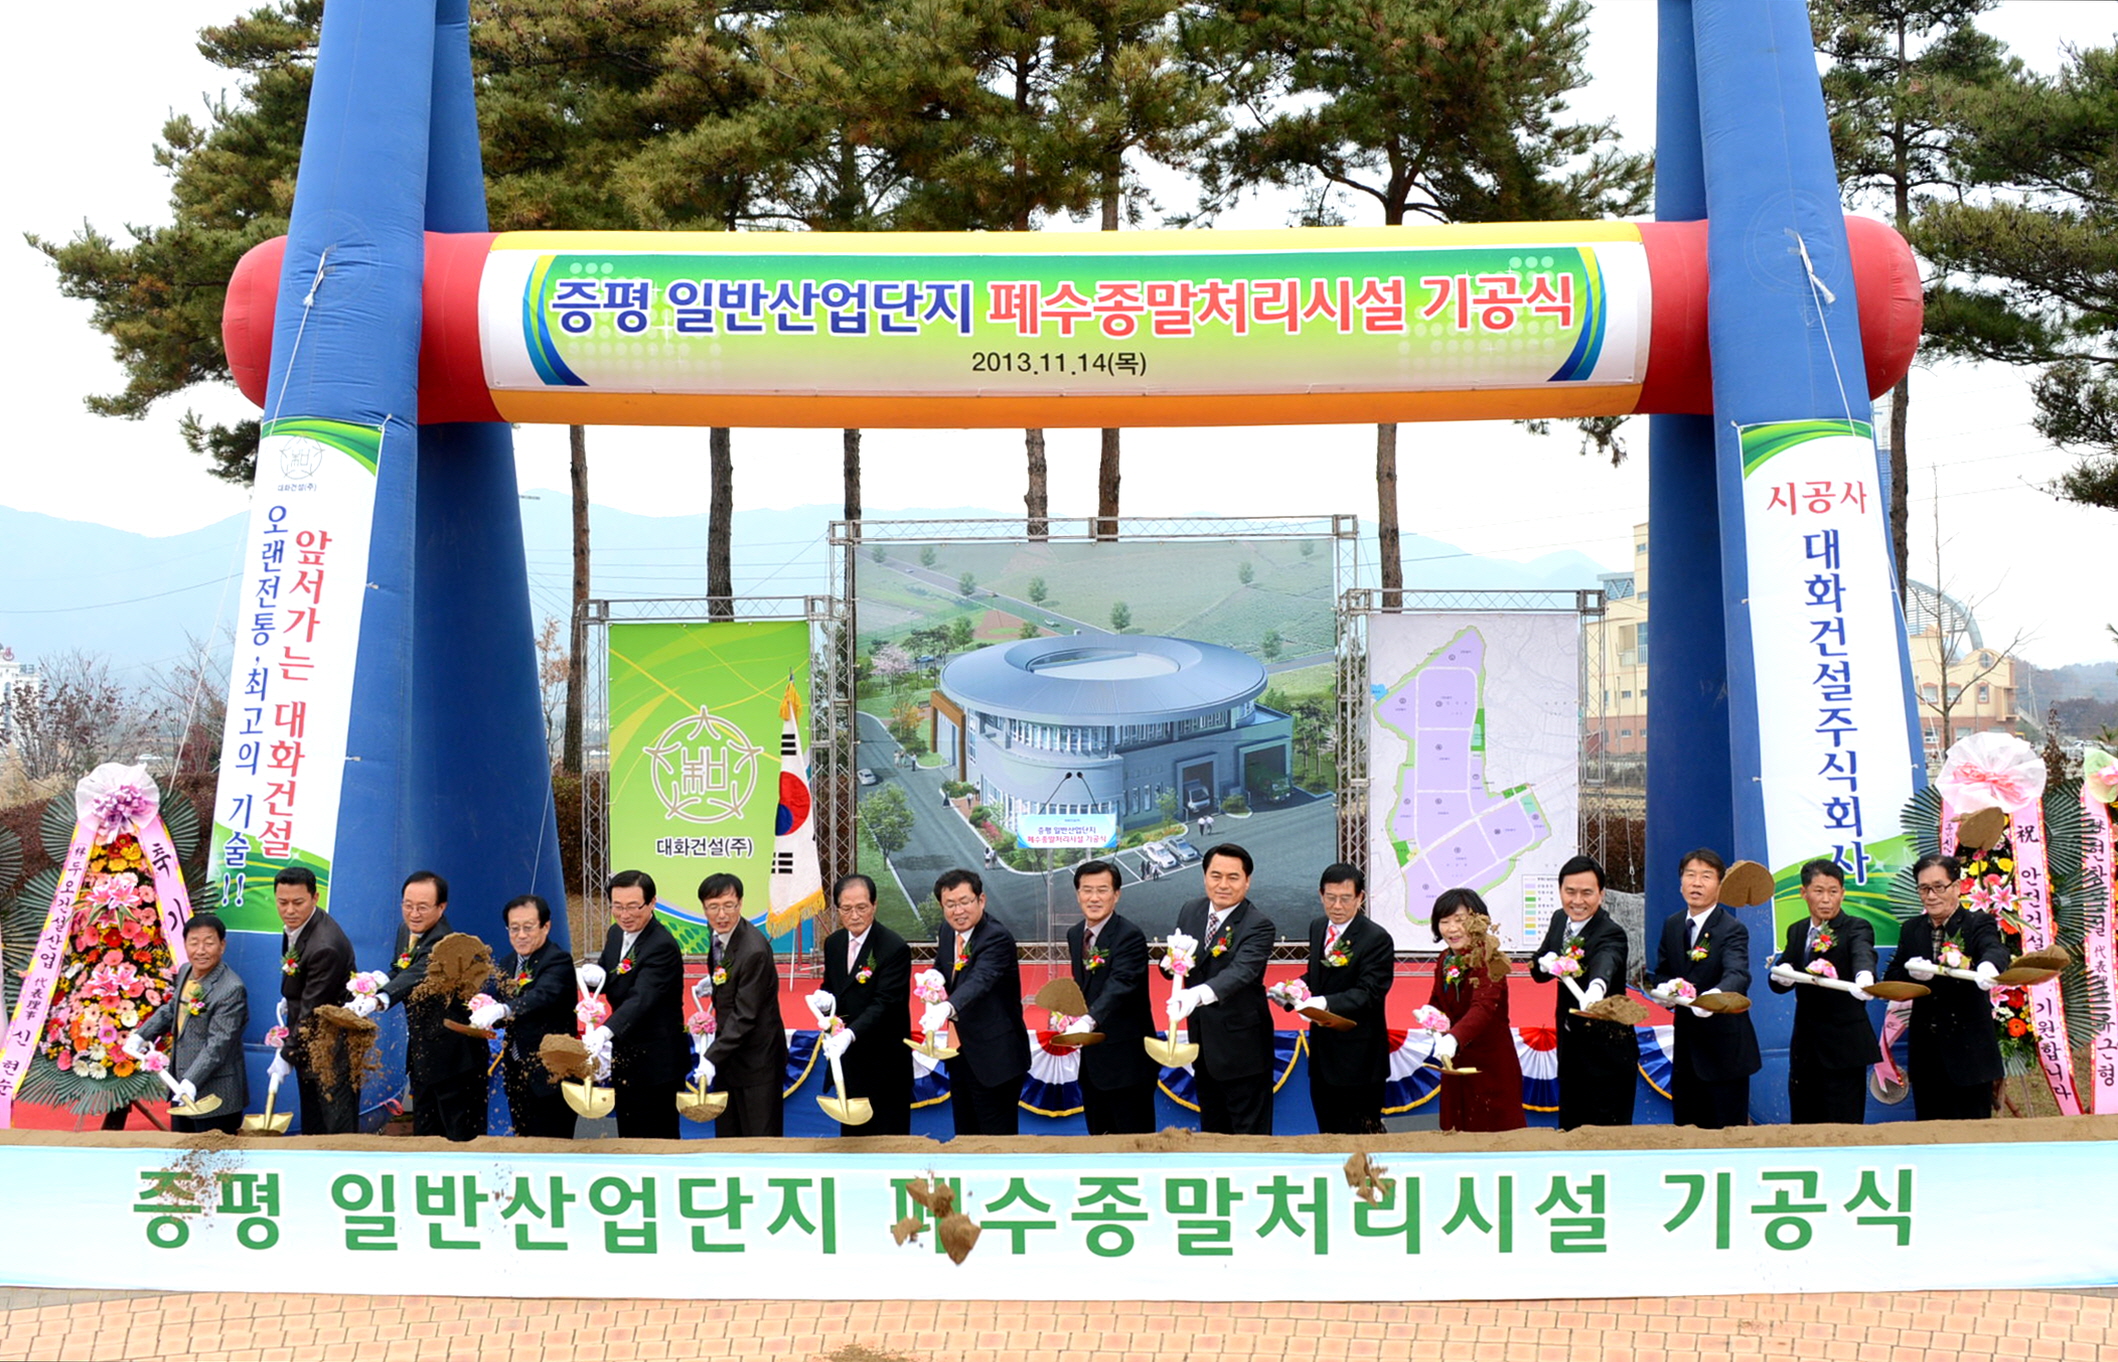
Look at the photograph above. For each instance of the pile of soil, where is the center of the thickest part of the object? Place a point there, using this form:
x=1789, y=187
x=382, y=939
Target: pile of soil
x=339, y=1042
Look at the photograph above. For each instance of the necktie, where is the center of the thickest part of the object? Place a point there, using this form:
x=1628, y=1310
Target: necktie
x=1331, y=937
x=852, y=953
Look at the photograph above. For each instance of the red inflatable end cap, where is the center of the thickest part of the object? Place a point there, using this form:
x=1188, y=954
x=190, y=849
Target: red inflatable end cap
x=246, y=317
x=1892, y=301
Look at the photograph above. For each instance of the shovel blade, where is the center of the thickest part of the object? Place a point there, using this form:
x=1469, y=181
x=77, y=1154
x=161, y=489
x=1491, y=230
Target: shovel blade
x=587, y=1100
x=1170, y=1054
x=848, y=1111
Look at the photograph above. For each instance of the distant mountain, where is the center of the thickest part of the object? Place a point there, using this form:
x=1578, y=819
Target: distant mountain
x=69, y=584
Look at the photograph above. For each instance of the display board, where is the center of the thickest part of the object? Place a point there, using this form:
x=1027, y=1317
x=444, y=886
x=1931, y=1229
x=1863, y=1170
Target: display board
x=1474, y=754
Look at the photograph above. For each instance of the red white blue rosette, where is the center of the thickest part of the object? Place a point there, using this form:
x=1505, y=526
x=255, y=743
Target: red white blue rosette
x=1537, y=1050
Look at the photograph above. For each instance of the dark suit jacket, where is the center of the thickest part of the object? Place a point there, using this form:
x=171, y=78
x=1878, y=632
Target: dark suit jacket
x=319, y=979
x=1357, y=991
x=542, y=1007
x=648, y=1043
x=1597, y=1047
x=208, y=1049
x=877, y=1012
x=1831, y=1029
x=433, y=1054
x=992, y=1041
x=1235, y=1033
x=1724, y=1045
x=1953, y=1025
x=1117, y=998
x=749, y=1043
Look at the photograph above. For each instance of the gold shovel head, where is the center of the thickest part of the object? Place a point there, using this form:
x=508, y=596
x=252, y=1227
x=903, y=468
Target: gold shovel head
x=1982, y=830
x=1721, y=1002
x=1891, y=990
x=1074, y=1040
x=694, y=1105
x=589, y=1100
x=268, y=1123
x=848, y=1111
x=1746, y=885
x=1170, y=1054
x=930, y=1049
x=2022, y=976
x=205, y=1106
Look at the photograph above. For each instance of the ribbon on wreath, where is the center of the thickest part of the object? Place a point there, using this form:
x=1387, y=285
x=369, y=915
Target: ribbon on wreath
x=1991, y=769
x=109, y=801
x=2099, y=866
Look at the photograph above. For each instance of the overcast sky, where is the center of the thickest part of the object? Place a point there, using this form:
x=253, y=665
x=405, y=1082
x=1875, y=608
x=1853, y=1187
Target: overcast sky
x=85, y=126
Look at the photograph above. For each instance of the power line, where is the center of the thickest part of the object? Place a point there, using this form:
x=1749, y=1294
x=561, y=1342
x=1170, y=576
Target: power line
x=135, y=600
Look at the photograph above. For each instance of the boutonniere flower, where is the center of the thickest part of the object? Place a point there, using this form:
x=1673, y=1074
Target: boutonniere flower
x=1824, y=942
x=1338, y=956
x=194, y=998
x=1698, y=952
x=404, y=959
x=1219, y=946
x=865, y=972
x=522, y=978
x=1096, y=959
x=720, y=976
x=1453, y=969
x=290, y=963
x=625, y=965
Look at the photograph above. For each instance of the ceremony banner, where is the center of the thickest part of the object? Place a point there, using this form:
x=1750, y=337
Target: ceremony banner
x=695, y=754
x=1827, y=636
x=805, y=1224
x=283, y=752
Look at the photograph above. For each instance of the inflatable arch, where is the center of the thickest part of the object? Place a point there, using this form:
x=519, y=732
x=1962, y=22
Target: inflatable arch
x=384, y=705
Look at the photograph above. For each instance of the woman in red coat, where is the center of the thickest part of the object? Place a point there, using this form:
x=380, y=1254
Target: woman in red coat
x=1477, y=1008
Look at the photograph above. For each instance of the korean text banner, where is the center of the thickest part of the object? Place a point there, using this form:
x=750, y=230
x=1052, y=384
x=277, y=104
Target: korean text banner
x=1828, y=640
x=1169, y=316
x=297, y=630
x=801, y=1224
x=695, y=756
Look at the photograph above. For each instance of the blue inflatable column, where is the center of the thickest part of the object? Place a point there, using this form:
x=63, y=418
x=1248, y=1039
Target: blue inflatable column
x=1817, y=661
x=480, y=791
x=1688, y=790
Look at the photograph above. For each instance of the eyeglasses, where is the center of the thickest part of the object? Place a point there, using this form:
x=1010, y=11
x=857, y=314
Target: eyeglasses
x=1935, y=891
x=523, y=929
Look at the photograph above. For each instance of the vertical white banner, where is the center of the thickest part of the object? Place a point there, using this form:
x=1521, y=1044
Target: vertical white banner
x=1835, y=742
x=290, y=689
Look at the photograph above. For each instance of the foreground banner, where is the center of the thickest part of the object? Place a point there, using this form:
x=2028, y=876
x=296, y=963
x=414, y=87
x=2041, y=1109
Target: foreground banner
x=808, y=1224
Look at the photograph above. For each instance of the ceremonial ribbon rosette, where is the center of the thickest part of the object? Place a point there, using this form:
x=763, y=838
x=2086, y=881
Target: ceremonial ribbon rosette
x=930, y=988
x=479, y=1000
x=1991, y=770
x=1183, y=954
x=276, y=1038
x=1676, y=992
x=361, y=985
x=2099, y=775
x=591, y=1011
x=1570, y=957
x=1430, y=1018
x=701, y=1023
x=154, y=1062
x=1292, y=993
x=1822, y=968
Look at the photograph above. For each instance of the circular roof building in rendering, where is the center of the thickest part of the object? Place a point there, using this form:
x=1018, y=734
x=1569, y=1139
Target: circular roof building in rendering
x=1103, y=679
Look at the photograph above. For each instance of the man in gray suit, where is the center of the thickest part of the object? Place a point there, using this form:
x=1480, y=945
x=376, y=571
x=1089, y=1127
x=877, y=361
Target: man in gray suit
x=206, y=1009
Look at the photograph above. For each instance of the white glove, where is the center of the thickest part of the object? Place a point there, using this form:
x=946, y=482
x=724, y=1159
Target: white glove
x=490, y=1016
x=1182, y=1002
x=381, y=1001
x=837, y=1043
x=935, y=1019
x=823, y=1004
x=1987, y=972
x=590, y=974
x=705, y=1073
x=597, y=1038
x=280, y=1069
x=943, y=1013
x=1786, y=973
x=1549, y=962
x=1700, y=1013
x=1083, y=1024
x=1860, y=986
x=184, y=1094
x=362, y=1006
x=135, y=1045
x=1445, y=1046
x=1593, y=994
x=1920, y=968
x=1319, y=1001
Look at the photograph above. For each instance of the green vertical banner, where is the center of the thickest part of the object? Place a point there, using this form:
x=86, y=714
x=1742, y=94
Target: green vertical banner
x=695, y=747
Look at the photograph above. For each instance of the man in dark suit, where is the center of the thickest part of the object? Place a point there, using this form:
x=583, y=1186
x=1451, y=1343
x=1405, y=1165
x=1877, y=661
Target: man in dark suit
x=1952, y=1052
x=1597, y=1059
x=749, y=1050
x=446, y=1069
x=641, y=972
x=868, y=973
x=1352, y=962
x=207, y=1008
x=1227, y=990
x=1716, y=1052
x=315, y=961
x=538, y=979
x=1109, y=961
x=983, y=975
x=1833, y=1042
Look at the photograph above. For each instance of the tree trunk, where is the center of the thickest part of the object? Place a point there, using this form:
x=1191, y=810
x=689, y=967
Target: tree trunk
x=852, y=447
x=1037, y=501
x=720, y=588
x=1107, y=488
x=577, y=632
x=1386, y=516
x=1900, y=474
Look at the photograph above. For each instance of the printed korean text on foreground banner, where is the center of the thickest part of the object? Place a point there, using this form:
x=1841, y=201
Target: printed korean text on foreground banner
x=811, y=1224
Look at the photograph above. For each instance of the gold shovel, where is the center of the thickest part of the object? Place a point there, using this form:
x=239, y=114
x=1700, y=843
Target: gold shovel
x=270, y=1122
x=696, y=1104
x=204, y=1106
x=589, y=1100
x=847, y=1111
x=1176, y=1052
